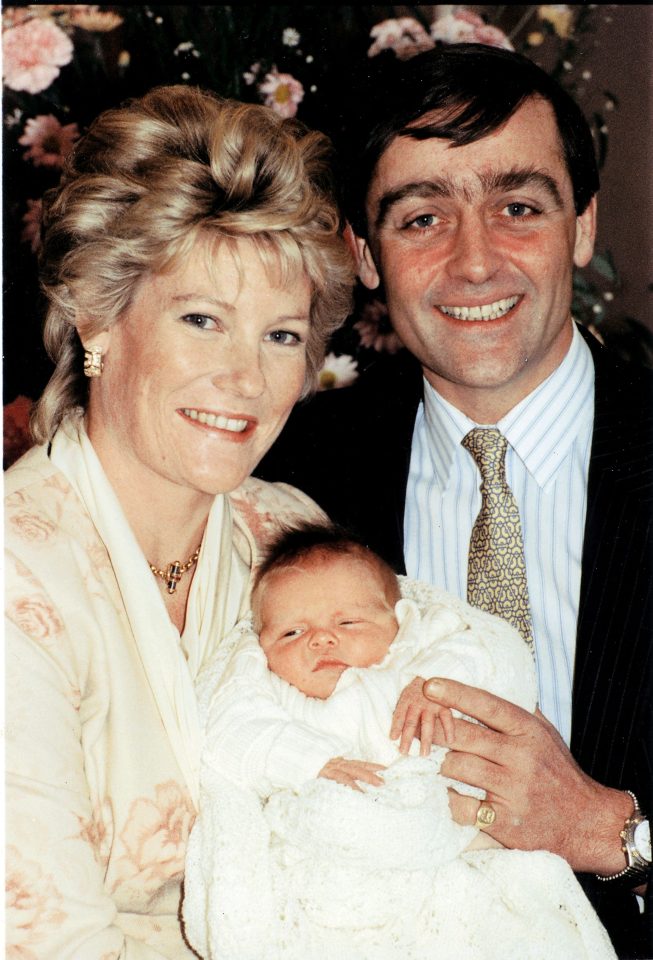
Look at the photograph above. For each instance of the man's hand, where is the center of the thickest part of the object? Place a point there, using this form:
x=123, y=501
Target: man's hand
x=542, y=799
x=415, y=716
x=348, y=772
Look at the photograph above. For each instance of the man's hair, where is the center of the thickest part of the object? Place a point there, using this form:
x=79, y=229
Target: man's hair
x=320, y=541
x=472, y=90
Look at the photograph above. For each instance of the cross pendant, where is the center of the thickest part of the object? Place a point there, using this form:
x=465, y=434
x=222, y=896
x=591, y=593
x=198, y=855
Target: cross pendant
x=173, y=576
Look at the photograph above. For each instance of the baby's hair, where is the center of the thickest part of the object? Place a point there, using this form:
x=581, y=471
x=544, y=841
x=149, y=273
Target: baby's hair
x=321, y=540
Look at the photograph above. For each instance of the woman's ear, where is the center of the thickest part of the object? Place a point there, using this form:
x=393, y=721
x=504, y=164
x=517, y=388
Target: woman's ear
x=364, y=260
x=97, y=341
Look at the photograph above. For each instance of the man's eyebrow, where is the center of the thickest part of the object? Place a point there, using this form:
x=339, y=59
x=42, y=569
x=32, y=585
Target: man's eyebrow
x=518, y=177
x=491, y=182
x=435, y=187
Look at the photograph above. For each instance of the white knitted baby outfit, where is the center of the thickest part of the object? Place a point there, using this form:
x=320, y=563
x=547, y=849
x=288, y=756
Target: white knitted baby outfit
x=282, y=865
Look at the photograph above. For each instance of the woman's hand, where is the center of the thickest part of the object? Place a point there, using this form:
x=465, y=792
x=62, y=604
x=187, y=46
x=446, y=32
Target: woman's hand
x=415, y=716
x=348, y=772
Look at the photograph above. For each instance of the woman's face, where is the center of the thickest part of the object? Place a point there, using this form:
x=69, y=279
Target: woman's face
x=200, y=373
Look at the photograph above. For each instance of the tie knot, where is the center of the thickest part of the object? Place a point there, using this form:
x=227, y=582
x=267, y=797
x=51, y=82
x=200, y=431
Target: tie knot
x=488, y=448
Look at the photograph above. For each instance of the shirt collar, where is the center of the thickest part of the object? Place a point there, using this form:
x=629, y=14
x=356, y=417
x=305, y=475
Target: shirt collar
x=541, y=429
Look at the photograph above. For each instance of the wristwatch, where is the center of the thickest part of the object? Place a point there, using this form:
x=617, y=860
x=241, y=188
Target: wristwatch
x=636, y=845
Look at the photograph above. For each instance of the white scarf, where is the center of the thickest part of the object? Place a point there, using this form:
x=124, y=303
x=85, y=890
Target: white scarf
x=216, y=600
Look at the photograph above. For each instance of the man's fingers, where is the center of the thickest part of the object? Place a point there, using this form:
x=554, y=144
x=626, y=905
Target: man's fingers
x=446, y=719
x=477, y=772
x=494, y=712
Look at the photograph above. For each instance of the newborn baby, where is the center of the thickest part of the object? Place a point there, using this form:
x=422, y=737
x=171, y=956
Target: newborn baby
x=323, y=695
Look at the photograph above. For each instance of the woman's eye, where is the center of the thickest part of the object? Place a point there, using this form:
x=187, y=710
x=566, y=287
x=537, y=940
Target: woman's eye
x=285, y=338
x=199, y=320
x=520, y=210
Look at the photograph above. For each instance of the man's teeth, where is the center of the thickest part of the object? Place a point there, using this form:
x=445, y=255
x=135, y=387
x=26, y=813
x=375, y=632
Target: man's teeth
x=215, y=420
x=489, y=311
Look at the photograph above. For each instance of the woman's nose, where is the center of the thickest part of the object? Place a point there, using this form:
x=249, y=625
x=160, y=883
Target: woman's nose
x=475, y=256
x=240, y=371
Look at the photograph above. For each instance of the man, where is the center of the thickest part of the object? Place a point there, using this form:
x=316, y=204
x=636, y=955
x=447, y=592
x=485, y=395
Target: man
x=471, y=194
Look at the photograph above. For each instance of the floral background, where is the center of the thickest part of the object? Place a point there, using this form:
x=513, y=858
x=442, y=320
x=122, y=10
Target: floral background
x=65, y=63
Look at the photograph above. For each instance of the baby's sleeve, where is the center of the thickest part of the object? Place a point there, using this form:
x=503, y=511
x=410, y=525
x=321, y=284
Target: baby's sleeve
x=456, y=641
x=251, y=739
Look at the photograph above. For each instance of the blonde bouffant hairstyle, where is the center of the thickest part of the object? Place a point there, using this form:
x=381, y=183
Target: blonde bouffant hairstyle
x=148, y=181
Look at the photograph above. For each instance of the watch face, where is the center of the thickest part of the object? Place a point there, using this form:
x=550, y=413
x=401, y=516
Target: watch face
x=642, y=840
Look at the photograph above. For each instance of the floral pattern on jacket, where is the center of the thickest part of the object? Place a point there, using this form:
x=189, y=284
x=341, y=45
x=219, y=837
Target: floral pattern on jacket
x=98, y=810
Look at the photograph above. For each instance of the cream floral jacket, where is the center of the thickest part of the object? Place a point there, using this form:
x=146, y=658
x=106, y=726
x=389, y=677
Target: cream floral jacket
x=98, y=810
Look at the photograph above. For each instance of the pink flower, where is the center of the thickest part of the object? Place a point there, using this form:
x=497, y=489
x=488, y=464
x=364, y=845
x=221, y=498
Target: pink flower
x=282, y=92
x=36, y=617
x=16, y=435
x=33, y=52
x=156, y=834
x=88, y=17
x=49, y=143
x=405, y=36
x=375, y=330
x=31, y=232
x=464, y=26
x=34, y=906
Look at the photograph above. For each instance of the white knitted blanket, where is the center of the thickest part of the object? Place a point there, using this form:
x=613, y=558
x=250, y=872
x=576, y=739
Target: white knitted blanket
x=326, y=873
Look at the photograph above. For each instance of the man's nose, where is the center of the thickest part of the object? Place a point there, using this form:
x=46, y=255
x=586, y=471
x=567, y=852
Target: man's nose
x=475, y=257
x=322, y=637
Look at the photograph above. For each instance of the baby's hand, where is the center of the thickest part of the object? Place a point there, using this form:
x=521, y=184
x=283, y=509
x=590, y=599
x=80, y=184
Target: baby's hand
x=415, y=715
x=349, y=771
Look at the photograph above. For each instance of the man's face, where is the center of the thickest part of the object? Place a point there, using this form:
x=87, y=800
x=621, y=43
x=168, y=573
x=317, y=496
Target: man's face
x=475, y=246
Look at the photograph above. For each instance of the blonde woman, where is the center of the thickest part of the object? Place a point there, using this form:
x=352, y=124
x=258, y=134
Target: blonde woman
x=194, y=270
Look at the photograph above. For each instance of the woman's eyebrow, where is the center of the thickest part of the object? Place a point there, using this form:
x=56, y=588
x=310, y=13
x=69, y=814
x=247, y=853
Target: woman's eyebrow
x=491, y=181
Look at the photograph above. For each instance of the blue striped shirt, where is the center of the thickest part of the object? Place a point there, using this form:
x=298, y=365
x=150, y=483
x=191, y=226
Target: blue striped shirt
x=549, y=437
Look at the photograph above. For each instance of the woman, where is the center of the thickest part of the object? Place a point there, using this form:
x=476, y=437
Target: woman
x=194, y=270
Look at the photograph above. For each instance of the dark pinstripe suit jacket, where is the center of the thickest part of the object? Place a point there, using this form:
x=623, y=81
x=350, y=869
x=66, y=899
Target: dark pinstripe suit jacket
x=350, y=451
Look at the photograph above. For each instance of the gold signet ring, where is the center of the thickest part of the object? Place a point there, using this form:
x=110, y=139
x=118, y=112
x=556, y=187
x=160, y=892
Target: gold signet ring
x=485, y=816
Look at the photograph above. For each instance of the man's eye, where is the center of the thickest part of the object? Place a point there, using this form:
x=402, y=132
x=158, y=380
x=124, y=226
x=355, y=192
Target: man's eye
x=520, y=210
x=286, y=338
x=424, y=221
x=199, y=320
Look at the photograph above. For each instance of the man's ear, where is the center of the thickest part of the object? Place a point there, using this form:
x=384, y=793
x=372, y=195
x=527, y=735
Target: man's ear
x=585, y=235
x=364, y=260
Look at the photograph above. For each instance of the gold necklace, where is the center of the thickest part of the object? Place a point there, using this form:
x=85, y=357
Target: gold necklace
x=174, y=571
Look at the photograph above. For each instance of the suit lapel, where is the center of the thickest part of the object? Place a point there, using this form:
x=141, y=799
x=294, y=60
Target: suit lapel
x=615, y=582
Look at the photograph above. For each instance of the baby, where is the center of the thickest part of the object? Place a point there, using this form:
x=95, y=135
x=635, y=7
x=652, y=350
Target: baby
x=320, y=693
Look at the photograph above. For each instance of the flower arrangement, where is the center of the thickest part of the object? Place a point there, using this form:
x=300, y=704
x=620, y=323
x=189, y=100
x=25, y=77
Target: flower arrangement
x=64, y=63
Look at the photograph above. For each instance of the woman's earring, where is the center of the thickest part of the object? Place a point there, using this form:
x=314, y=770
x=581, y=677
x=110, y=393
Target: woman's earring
x=93, y=362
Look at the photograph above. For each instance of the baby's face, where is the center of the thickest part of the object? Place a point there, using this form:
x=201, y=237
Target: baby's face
x=322, y=616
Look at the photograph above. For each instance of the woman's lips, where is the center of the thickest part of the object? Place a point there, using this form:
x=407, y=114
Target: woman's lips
x=236, y=424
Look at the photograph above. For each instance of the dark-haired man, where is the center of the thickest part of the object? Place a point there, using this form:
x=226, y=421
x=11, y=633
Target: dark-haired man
x=472, y=196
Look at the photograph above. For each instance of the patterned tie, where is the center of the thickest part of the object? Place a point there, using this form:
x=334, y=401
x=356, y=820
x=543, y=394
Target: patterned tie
x=496, y=573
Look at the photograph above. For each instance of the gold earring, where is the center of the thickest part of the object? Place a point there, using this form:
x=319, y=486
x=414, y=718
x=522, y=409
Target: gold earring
x=93, y=362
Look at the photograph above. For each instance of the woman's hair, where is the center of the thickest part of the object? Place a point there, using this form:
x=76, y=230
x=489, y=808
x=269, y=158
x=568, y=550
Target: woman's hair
x=149, y=180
